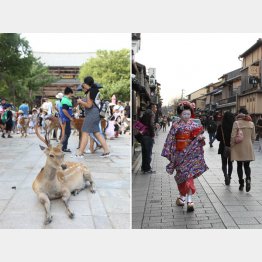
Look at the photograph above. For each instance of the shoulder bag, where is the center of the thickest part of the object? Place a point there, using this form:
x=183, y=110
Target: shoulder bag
x=227, y=150
x=239, y=136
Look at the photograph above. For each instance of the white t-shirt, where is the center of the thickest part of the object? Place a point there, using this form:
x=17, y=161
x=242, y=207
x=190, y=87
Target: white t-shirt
x=47, y=106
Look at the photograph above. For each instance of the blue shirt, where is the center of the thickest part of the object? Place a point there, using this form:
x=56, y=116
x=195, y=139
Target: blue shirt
x=66, y=104
x=25, y=109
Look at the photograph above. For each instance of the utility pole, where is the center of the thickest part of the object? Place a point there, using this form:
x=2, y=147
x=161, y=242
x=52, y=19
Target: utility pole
x=182, y=94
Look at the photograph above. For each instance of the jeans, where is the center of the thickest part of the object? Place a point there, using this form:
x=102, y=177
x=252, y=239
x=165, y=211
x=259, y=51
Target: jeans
x=147, y=146
x=67, y=135
x=212, y=137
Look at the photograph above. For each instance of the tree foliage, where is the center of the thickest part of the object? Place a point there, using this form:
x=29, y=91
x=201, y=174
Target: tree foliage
x=16, y=56
x=21, y=73
x=111, y=69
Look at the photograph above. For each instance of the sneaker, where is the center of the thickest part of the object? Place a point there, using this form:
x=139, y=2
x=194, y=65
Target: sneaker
x=3, y=135
x=10, y=136
x=66, y=150
x=105, y=154
x=88, y=151
x=79, y=156
x=149, y=172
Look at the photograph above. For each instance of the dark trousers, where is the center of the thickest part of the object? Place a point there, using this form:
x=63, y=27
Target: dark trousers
x=147, y=146
x=240, y=170
x=212, y=137
x=67, y=135
x=227, y=166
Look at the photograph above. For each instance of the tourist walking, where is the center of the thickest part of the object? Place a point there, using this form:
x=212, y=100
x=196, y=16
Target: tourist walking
x=92, y=117
x=243, y=151
x=259, y=132
x=223, y=135
x=211, y=129
x=184, y=149
x=8, y=121
x=147, y=139
x=164, y=123
x=66, y=114
x=25, y=108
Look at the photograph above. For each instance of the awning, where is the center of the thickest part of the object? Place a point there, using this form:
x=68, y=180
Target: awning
x=218, y=92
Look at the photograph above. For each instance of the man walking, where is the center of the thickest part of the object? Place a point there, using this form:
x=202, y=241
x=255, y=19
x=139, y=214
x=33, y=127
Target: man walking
x=259, y=132
x=211, y=129
x=147, y=141
x=25, y=108
x=66, y=114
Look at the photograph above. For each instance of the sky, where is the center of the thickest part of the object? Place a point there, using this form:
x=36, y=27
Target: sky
x=191, y=61
x=77, y=42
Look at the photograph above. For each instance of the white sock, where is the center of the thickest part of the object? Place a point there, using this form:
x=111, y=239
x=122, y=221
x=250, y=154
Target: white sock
x=189, y=198
x=182, y=197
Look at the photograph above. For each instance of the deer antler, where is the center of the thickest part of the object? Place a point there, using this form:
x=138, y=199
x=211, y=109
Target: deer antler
x=45, y=140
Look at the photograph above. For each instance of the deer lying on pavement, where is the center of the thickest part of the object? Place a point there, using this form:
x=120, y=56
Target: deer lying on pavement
x=58, y=179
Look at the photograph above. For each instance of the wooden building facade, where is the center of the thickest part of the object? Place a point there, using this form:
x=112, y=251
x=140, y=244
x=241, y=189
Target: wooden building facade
x=64, y=67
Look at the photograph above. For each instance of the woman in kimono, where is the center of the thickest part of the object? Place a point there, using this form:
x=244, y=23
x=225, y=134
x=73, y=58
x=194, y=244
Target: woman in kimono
x=184, y=149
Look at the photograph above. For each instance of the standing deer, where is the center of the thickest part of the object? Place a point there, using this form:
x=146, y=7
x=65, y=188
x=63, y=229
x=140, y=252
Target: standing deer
x=52, y=123
x=58, y=179
x=24, y=124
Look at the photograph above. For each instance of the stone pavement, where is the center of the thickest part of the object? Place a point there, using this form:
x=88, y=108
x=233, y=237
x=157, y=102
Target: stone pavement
x=20, y=161
x=216, y=206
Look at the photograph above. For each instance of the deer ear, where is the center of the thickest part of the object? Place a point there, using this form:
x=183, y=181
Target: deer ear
x=42, y=147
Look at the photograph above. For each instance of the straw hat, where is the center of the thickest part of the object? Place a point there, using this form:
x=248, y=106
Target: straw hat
x=59, y=95
x=20, y=112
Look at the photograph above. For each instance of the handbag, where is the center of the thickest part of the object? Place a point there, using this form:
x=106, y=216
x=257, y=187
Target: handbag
x=239, y=136
x=140, y=127
x=227, y=150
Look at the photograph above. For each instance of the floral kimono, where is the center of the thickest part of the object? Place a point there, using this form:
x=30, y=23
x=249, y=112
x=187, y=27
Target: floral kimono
x=185, y=153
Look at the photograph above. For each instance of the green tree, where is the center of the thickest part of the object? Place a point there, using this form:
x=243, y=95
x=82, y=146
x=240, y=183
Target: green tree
x=38, y=77
x=21, y=74
x=112, y=70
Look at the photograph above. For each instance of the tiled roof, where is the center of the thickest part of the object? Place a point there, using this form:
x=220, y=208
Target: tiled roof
x=64, y=59
x=252, y=48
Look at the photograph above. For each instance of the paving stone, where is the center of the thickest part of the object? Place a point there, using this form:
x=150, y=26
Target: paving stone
x=108, y=208
x=246, y=221
x=213, y=201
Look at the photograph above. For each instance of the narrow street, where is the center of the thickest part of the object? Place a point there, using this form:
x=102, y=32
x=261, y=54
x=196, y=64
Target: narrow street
x=216, y=206
x=20, y=162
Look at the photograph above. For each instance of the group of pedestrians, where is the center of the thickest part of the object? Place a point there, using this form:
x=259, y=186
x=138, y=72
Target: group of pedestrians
x=10, y=117
x=88, y=107
x=184, y=148
x=240, y=151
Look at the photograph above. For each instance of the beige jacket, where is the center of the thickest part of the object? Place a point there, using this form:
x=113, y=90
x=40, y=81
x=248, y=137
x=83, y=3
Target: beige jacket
x=243, y=151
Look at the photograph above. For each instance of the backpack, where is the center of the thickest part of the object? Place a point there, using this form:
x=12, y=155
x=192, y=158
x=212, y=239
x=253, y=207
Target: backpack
x=239, y=136
x=103, y=106
x=4, y=117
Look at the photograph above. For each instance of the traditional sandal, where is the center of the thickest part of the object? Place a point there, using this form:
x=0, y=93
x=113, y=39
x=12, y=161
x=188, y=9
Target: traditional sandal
x=190, y=206
x=180, y=202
